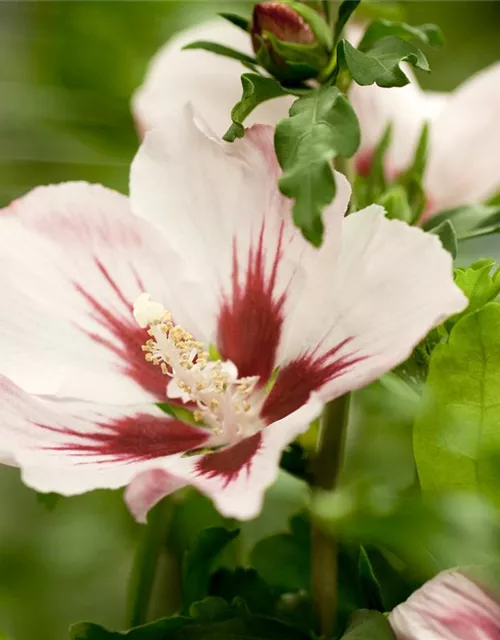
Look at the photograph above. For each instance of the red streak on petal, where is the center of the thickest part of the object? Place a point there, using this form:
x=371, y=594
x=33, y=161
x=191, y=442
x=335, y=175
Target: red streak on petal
x=125, y=338
x=132, y=438
x=300, y=377
x=251, y=317
x=227, y=464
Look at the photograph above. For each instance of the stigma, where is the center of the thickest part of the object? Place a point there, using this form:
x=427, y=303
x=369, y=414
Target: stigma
x=222, y=402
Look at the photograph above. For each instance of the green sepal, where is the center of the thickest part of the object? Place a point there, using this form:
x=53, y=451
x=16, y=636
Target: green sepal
x=381, y=63
x=222, y=50
x=288, y=72
x=178, y=412
x=239, y=21
x=317, y=24
x=256, y=90
x=346, y=10
x=321, y=126
x=426, y=33
x=395, y=202
x=376, y=182
x=311, y=56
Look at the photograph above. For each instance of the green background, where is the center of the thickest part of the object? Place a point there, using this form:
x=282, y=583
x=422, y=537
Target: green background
x=67, y=72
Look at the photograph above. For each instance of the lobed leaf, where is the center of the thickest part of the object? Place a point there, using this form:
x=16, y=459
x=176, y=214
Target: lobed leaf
x=381, y=63
x=256, y=90
x=322, y=126
x=429, y=34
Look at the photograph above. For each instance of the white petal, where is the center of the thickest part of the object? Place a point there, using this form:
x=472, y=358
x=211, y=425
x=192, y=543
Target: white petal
x=391, y=285
x=210, y=82
x=73, y=259
x=463, y=164
x=220, y=207
x=449, y=607
x=71, y=447
x=236, y=478
x=147, y=489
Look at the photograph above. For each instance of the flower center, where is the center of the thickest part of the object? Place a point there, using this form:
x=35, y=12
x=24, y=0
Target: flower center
x=224, y=403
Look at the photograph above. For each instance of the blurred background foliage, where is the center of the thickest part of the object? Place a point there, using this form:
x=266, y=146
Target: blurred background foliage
x=67, y=74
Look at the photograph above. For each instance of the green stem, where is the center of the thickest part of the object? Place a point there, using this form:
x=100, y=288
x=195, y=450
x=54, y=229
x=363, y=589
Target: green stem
x=324, y=548
x=146, y=561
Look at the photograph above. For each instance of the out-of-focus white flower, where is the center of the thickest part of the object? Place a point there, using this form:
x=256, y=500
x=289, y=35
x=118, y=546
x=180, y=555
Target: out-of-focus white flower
x=463, y=162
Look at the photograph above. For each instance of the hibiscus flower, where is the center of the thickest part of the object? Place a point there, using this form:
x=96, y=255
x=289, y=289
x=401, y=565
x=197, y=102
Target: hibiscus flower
x=449, y=607
x=465, y=131
x=200, y=291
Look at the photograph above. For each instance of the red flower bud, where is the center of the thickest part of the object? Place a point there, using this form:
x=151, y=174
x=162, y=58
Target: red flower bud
x=282, y=21
x=285, y=40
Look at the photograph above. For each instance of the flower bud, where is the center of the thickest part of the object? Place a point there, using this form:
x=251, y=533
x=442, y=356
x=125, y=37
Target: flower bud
x=282, y=21
x=290, y=40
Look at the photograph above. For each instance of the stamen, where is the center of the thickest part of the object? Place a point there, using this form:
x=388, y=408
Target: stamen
x=223, y=401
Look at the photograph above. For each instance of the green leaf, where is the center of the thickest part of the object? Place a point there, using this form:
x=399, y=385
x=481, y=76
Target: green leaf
x=369, y=583
x=380, y=64
x=89, y=631
x=222, y=50
x=322, y=125
x=369, y=625
x=387, y=10
x=247, y=585
x=213, y=619
x=458, y=427
x=448, y=237
x=256, y=90
x=469, y=220
x=346, y=10
x=426, y=33
x=238, y=21
x=479, y=284
x=283, y=560
x=198, y=562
